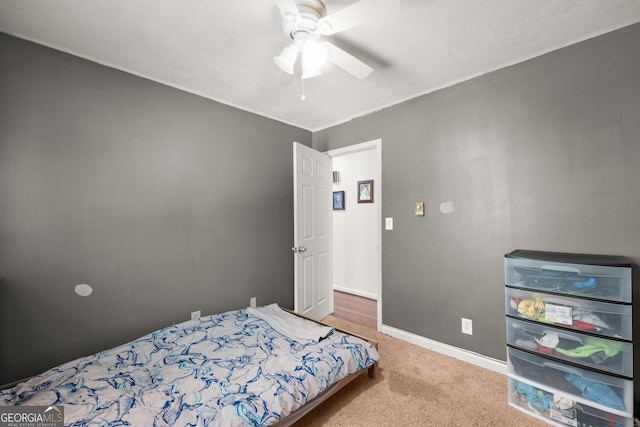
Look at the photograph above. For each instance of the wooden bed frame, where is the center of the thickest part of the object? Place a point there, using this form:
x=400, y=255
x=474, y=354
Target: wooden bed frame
x=316, y=401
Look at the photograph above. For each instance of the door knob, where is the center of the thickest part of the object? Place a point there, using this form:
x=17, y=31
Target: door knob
x=300, y=249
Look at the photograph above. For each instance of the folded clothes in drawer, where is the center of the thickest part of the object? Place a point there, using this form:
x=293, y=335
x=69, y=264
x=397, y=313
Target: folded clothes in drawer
x=592, y=281
x=606, y=355
x=612, y=392
x=602, y=318
x=554, y=407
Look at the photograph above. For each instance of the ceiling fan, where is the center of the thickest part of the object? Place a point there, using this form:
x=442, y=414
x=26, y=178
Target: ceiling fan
x=305, y=21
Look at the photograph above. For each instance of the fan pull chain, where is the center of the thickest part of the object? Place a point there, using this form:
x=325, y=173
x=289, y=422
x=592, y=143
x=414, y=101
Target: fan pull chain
x=302, y=98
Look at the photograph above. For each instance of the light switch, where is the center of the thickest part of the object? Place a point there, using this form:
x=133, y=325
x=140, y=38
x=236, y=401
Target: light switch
x=388, y=223
x=420, y=209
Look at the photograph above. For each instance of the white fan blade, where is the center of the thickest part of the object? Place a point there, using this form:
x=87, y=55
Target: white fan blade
x=356, y=14
x=346, y=61
x=288, y=8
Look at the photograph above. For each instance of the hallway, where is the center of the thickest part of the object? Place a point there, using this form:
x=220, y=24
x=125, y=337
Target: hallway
x=355, y=308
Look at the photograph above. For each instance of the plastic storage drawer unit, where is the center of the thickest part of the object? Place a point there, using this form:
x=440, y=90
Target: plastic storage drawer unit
x=602, y=318
x=578, y=275
x=602, y=390
x=606, y=355
x=557, y=409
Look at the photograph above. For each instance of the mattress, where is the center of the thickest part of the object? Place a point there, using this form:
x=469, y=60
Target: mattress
x=229, y=369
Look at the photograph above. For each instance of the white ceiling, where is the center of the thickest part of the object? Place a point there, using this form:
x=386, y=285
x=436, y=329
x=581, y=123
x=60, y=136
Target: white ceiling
x=223, y=50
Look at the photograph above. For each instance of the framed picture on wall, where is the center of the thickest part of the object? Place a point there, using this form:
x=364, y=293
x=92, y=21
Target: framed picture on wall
x=338, y=200
x=365, y=191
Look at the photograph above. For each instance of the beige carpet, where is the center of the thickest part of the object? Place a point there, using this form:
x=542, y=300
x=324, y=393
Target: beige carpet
x=418, y=387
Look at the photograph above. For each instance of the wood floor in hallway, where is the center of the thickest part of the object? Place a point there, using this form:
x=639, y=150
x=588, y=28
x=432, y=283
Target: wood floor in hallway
x=354, y=308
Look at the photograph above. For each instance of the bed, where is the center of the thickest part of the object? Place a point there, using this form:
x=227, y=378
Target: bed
x=251, y=366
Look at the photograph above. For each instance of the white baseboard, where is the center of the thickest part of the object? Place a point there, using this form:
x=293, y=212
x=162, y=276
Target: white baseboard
x=448, y=350
x=363, y=294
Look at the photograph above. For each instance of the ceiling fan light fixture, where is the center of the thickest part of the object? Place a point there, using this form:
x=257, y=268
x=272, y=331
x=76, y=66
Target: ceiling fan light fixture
x=305, y=21
x=314, y=55
x=287, y=59
x=308, y=71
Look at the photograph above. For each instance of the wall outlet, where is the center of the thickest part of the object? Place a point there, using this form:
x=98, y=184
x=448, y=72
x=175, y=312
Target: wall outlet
x=467, y=326
x=252, y=302
x=195, y=315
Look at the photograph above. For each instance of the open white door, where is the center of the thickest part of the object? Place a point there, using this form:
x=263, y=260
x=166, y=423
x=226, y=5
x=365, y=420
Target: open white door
x=312, y=232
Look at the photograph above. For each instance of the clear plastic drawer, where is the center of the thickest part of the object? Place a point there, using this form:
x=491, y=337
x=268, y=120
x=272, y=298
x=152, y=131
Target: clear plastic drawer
x=605, y=355
x=602, y=318
x=591, y=281
x=602, y=390
x=558, y=409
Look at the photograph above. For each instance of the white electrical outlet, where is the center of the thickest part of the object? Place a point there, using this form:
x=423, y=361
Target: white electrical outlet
x=252, y=302
x=467, y=326
x=195, y=315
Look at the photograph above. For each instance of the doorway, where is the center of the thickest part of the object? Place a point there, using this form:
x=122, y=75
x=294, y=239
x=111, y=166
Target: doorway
x=357, y=229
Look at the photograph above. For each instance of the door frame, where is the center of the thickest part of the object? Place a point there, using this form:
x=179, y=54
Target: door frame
x=375, y=144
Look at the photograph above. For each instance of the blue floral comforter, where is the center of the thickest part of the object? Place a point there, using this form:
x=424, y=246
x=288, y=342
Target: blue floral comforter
x=229, y=369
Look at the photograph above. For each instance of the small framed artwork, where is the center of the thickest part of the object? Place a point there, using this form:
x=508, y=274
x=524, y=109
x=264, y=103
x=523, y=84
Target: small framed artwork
x=338, y=200
x=365, y=191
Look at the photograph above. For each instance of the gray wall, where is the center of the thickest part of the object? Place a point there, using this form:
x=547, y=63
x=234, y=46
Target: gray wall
x=541, y=155
x=163, y=201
